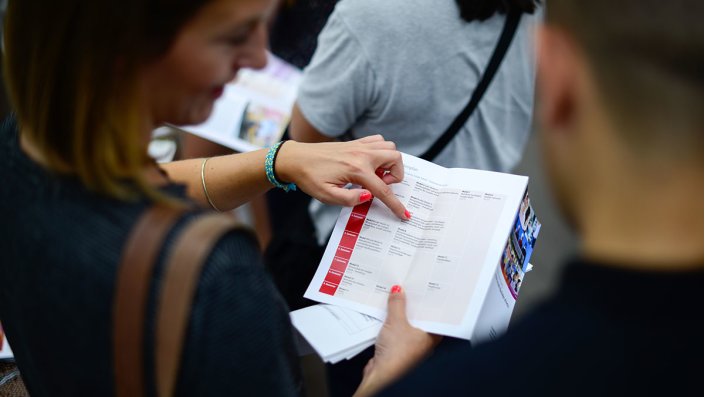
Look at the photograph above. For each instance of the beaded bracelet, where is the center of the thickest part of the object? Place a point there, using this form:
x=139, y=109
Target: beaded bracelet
x=269, y=168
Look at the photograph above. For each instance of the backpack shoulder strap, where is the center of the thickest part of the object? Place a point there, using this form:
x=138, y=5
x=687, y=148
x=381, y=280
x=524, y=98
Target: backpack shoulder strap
x=184, y=266
x=131, y=293
x=505, y=39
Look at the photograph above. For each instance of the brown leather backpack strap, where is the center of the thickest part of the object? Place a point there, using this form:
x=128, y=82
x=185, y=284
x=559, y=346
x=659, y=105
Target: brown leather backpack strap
x=131, y=292
x=183, y=270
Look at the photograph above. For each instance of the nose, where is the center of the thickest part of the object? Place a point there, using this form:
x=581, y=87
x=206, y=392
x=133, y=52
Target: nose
x=255, y=52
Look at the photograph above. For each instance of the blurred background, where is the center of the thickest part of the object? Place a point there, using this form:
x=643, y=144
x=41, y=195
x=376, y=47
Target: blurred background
x=556, y=241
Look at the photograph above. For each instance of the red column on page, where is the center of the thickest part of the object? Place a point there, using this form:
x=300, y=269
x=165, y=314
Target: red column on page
x=345, y=248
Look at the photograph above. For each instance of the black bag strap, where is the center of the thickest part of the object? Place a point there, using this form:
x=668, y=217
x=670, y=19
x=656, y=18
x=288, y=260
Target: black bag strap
x=510, y=27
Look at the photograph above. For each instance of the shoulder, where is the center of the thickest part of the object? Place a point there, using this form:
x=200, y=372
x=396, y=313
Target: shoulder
x=367, y=19
x=235, y=279
x=240, y=334
x=233, y=260
x=235, y=291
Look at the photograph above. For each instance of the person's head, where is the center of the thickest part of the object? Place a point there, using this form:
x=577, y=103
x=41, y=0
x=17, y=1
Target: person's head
x=471, y=10
x=620, y=90
x=88, y=79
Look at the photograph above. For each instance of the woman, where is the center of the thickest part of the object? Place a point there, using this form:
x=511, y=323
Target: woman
x=89, y=80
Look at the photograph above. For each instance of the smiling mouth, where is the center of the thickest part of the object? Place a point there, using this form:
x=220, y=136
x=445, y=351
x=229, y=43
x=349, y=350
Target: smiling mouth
x=218, y=92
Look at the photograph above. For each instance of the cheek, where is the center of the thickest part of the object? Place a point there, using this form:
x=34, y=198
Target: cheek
x=200, y=69
x=200, y=76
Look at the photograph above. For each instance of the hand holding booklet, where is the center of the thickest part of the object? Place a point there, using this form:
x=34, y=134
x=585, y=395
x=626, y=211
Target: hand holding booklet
x=461, y=257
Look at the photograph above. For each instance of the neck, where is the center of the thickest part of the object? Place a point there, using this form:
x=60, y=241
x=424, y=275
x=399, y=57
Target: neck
x=649, y=219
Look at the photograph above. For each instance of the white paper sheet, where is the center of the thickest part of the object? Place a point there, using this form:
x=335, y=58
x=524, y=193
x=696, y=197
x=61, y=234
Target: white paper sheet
x=335, y=333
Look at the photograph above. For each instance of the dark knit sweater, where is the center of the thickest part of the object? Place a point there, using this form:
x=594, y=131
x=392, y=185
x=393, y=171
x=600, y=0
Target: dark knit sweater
x=59, y=247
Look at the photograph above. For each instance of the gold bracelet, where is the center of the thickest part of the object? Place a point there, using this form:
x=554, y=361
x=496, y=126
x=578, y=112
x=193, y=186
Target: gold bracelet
x=203, y=182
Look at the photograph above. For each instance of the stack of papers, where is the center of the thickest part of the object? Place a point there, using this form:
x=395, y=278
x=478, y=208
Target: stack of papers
x=335, y=333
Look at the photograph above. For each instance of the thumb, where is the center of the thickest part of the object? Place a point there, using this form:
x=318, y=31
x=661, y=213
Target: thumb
x=396, y=306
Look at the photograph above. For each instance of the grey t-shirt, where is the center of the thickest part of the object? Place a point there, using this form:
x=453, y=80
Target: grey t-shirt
x=405, y=69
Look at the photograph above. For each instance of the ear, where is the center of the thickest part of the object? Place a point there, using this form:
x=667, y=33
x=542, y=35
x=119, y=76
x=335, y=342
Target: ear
x=557, y=85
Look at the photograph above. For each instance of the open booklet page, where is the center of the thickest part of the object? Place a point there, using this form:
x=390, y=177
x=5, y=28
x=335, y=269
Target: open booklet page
x=444, y=257
x=255, y=108
x=337, y=332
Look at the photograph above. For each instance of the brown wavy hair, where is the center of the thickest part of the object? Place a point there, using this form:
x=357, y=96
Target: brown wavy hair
x=71, y=71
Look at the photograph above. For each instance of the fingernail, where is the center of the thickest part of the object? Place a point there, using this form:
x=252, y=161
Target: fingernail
x=364, y=196
x=379, y=172
x=407, y=214
x=396, y=289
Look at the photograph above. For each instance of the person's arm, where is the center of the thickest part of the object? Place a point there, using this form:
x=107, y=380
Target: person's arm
x=321, y=170
x=301, y=130
x=399, y=348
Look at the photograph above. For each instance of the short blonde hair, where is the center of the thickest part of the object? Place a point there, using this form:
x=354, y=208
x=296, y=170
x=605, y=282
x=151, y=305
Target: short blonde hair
x=71, y=72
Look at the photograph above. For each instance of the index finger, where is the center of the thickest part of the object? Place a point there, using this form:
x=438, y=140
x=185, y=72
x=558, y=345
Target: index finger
x=382, y=191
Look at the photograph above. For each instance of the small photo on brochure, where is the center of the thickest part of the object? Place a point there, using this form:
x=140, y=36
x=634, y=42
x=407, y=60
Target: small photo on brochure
x=526, y=230
x=511, y=269
x=525, y=211
x=520, y=245
x=261, y=125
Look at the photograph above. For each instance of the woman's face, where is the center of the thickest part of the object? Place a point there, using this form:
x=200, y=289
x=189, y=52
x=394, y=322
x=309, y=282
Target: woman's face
x=226, y=35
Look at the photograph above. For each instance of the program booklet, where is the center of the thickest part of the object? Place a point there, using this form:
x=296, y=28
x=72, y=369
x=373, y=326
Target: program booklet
x=461, y=258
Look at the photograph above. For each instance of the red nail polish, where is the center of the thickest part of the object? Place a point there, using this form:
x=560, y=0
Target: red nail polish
x=379, y=172
x=407, y=214
x=396, y=289
x=364, y=196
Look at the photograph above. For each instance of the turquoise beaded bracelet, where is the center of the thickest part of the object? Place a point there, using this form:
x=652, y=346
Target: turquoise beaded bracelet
x=269, y=168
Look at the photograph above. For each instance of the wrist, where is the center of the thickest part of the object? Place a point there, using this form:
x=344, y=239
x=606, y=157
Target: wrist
x=370, y=385
x=270, y=163
x=285, y=165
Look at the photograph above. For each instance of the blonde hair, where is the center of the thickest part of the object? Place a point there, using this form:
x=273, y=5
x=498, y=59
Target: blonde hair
x=71, y=72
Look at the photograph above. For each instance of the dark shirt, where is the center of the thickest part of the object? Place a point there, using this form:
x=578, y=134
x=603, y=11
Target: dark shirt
x=607, y=331
x=294, y=32
x=60, y=246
